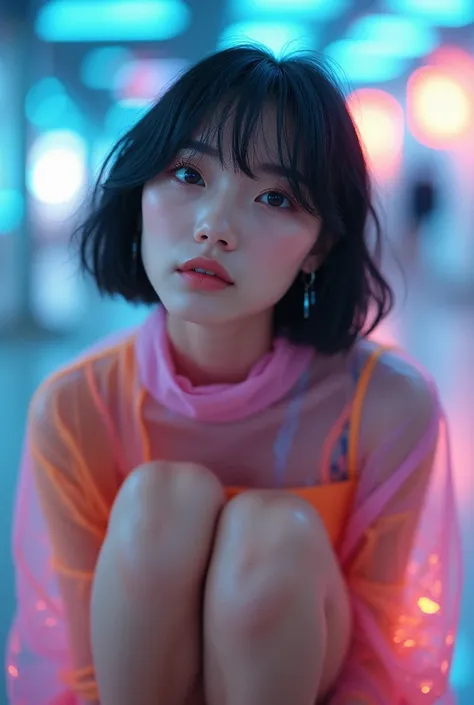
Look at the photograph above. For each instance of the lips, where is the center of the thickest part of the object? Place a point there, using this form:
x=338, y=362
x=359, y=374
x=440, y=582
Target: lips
x=207, y=267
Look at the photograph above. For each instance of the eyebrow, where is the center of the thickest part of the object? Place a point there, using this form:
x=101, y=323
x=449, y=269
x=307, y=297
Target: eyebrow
x=266, y=167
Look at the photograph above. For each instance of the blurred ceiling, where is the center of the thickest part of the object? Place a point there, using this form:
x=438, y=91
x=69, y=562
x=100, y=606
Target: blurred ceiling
x=73, y=41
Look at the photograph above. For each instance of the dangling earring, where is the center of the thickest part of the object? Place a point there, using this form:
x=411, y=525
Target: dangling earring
x=309, y=294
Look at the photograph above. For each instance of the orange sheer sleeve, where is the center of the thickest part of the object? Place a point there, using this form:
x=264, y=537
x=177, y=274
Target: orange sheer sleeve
x=76, y=479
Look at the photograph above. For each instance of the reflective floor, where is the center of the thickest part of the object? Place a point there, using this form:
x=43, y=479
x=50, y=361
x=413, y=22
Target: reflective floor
x=432, y=326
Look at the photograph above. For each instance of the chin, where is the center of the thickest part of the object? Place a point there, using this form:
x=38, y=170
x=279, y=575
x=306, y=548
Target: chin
x=204, y=313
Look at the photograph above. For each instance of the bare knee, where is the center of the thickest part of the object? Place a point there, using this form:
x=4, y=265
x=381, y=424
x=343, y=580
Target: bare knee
x=163, y=522
x=269, y=545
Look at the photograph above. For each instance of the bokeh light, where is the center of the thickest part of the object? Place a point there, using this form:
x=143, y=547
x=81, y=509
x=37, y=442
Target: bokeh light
x=456, y=61
x=440, y=108
x=320, y=10
x=120, y=20
x=49, y=107
x=380, y=122
x=57, y=168
x=392, y=35
x=143, y=80
x=443, y=13
x=364, y=62
x=100, y=66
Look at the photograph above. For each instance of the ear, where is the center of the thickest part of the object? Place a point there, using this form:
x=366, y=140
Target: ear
x=316, y=257
x=311, y=263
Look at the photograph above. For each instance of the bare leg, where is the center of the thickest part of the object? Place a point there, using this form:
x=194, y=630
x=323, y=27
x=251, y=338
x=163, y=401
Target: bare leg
x=147, y=593
x=271, y=630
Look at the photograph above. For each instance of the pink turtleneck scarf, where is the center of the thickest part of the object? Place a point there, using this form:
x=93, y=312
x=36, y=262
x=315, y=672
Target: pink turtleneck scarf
x=271, y=378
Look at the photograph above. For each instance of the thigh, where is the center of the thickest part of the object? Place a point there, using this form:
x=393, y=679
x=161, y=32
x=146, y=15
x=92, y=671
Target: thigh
x=148, y=583
x=285, y=535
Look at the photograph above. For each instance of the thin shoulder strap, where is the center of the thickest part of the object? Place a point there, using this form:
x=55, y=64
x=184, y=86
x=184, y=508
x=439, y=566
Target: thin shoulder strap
x=355, y=419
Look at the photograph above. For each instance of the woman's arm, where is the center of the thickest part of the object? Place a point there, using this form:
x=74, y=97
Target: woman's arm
x=401, y=554
x=72, y=467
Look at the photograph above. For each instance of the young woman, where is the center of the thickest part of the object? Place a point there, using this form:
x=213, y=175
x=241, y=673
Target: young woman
x=246, y=500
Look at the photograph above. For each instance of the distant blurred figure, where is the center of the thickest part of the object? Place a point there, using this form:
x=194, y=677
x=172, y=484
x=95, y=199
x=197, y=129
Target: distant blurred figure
x=422, y=203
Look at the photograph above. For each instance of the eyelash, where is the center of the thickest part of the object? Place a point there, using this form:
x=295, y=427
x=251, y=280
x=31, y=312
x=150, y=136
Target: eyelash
x=182, y=164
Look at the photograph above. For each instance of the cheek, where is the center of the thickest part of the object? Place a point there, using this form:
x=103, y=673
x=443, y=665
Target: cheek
x=151, y=210
x=284, y=252
x=276, y=263
x=163, y=214
x=153, y=201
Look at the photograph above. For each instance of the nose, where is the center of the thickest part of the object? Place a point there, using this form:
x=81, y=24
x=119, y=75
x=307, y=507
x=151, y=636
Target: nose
x=214, y=229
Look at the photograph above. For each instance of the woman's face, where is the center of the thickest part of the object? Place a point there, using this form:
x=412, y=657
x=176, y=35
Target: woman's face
x=198, y=208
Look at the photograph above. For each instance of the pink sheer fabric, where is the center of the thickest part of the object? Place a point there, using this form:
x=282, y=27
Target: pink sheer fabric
x=406, y=593
x=273, y=376
x=400, y=550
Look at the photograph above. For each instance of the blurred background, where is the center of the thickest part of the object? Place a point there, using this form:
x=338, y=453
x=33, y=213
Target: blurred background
x=75, y=74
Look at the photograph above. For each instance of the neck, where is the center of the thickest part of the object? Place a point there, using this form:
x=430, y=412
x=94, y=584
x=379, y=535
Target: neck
x=221, y=354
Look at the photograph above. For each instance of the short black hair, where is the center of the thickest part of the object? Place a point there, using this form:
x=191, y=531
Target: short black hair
x=233, y=87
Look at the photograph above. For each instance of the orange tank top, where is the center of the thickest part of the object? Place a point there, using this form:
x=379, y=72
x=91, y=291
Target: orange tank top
x=333, y=501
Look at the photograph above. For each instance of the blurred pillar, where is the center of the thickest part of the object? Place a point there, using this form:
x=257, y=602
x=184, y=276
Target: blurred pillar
x=17, y=42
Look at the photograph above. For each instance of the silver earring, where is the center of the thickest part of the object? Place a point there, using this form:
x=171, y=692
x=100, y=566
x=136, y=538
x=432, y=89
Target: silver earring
x=309, y=294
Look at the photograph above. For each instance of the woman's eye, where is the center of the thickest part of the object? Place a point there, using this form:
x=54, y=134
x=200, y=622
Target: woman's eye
x=189, y=175
x=276, y=199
